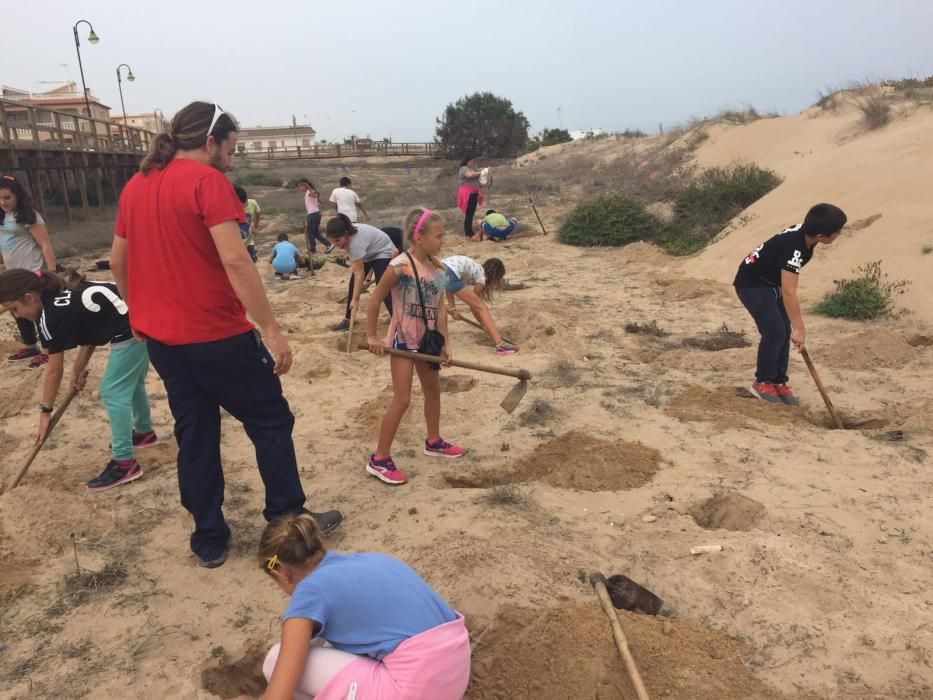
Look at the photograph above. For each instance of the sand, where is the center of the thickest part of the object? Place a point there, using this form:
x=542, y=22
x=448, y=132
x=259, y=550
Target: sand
x=627, y=451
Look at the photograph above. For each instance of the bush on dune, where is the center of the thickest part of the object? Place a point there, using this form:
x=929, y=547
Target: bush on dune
x=608, y=220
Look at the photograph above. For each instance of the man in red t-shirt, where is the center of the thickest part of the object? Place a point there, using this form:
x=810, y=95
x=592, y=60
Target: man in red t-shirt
x=180, y=263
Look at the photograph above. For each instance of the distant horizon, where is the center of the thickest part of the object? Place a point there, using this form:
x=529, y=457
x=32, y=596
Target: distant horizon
x=388, y=70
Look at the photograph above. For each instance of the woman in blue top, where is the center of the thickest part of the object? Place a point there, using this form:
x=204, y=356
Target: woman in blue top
x=416, y=648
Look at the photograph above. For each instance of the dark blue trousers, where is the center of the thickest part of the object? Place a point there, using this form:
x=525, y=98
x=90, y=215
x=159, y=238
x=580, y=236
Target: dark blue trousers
x=234, y=374
x=766, y=306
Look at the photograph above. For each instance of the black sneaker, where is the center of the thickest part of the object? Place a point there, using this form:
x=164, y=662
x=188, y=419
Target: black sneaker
x=327, y=521
x=342, y=262
x=216, y=561
x=115, y=475
x=344, y=325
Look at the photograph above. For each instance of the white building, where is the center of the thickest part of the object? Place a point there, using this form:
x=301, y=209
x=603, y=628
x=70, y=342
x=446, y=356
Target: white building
x=277, y=138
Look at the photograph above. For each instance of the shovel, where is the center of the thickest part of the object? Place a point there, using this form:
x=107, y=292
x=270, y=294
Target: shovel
x=511, y=400
x=819, y=385
x=598, y=582
x=14, y=482
x=461, y=317
x=537, y=216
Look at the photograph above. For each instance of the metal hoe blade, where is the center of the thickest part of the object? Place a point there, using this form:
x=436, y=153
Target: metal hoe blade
x=515, y=396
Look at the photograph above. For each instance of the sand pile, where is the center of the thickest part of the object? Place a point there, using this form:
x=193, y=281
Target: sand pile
x=574, y=460
x=867, y=351
x=728, y=510
x=728, y=407
x=569, y=652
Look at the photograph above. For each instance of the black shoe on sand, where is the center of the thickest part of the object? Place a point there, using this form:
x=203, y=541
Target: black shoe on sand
x=327, y=521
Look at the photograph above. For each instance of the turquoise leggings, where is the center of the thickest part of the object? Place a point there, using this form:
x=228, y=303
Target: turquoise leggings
x=123, y=391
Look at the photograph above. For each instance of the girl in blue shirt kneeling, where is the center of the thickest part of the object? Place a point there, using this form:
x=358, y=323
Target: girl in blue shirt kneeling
x=417, y=648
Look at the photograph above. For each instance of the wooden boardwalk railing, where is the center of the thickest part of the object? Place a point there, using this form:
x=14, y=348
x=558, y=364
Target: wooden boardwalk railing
x=335, y=150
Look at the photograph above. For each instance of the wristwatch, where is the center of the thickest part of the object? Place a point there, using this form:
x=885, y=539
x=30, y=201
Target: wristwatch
x=44, y=409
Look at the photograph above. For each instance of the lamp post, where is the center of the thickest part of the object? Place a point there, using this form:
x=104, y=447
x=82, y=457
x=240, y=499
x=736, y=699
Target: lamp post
x=131, y=78
x=160, y=116
x=92, y=39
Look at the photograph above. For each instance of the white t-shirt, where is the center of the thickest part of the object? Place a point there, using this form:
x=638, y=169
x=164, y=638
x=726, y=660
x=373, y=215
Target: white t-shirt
x=346, y=201
x=467, y=269
x=370, y=243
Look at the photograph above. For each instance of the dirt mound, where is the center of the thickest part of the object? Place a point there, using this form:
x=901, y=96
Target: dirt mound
x=241, y=677
x=8, y=443
x=368, y=415
x=685, y=289
x=457, y=383
x=574, y=460
x=920, y=341
x=728, y=407
x=20, y=395
x=867, y=351
x=568, y=652
x=728, y=510
x=526, y=320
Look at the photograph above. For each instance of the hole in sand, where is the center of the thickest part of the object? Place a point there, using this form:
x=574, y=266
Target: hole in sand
x=920, y=341
x=574, y=460
x=457, y=383
x=539, y=413
x=241, y=677
x=568, y=652
x=728, y=510
x=730, y=407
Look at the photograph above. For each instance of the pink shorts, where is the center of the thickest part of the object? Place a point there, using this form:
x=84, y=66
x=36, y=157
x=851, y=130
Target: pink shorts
x=433, y=665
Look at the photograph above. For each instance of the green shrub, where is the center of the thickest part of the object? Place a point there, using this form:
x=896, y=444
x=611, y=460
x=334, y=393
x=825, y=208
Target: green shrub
x=706, y=206
x=868, y=295
x=608, y=220
x=258, y=179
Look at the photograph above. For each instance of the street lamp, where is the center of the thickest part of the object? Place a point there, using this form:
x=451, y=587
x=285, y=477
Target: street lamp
x=160, y=116
x=93, y=39
x=131, y=78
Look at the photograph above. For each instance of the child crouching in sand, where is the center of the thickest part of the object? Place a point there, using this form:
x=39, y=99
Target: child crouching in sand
x=417, y=282
x=416, y=648
x=473, y=283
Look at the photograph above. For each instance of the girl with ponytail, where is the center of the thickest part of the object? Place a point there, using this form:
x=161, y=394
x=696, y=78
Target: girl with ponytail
x=414, y=647
x=416, y=280
x=25, y=244
x=74, y=313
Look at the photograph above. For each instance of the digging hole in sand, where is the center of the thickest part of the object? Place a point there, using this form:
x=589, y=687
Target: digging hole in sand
x=568, y=652
x=457, y=383
x=730, y=407
x=241, y=677
x=574, y=460
x=920, y=341
x=728, y=510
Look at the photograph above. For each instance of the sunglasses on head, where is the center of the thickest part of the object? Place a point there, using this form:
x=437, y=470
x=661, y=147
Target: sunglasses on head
x=218, y=110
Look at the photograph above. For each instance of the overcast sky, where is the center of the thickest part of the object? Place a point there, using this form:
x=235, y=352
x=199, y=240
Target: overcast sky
x=389, y=68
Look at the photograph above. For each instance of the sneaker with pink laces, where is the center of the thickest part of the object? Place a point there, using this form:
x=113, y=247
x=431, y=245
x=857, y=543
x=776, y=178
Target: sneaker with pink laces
x=38, y=360
x=438, y=447
x=386, y=471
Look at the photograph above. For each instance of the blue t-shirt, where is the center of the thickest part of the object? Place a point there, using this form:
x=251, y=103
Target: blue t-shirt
x=284, y=260
x=367, y=603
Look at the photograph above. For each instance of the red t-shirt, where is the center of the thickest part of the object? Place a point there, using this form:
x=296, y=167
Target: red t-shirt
x=178, y=290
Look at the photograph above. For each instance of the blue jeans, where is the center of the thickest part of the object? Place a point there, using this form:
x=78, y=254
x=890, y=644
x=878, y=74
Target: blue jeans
x=767, y=308
x=235, y=374
x=499, y=233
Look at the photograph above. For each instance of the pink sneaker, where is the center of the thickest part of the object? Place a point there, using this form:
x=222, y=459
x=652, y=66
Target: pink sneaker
x=149, y=439
x=385, y=470
x=439, y=448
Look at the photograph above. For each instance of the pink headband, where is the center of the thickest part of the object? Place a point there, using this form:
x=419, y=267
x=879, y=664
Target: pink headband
x=417, y=232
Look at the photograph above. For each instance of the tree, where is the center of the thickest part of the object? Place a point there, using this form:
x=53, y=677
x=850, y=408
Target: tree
x=550, y=137
x=482, y=124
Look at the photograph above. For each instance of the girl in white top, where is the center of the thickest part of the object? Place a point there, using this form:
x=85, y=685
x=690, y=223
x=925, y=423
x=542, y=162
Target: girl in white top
x=25, y=244
x=471, y=282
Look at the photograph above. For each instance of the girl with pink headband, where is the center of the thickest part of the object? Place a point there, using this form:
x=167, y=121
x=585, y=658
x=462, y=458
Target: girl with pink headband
x=417, y=281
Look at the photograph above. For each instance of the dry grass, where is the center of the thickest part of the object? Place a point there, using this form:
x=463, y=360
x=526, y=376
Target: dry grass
x=648, y=328
x=723, y=339
x=506, y=495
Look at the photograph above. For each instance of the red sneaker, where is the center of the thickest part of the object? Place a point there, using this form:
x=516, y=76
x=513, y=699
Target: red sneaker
x=766, y=392
x=23, y=354
x=386, y=471
x=38, y=360
x=440, y=448
x=786, y=395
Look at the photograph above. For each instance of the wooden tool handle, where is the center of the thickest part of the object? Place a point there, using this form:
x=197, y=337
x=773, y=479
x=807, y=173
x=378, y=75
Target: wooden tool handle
x=599, y=584
x=522, y=374
x=14, y=482
x=537, y=216
x=473, y=323
x=819, y=385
